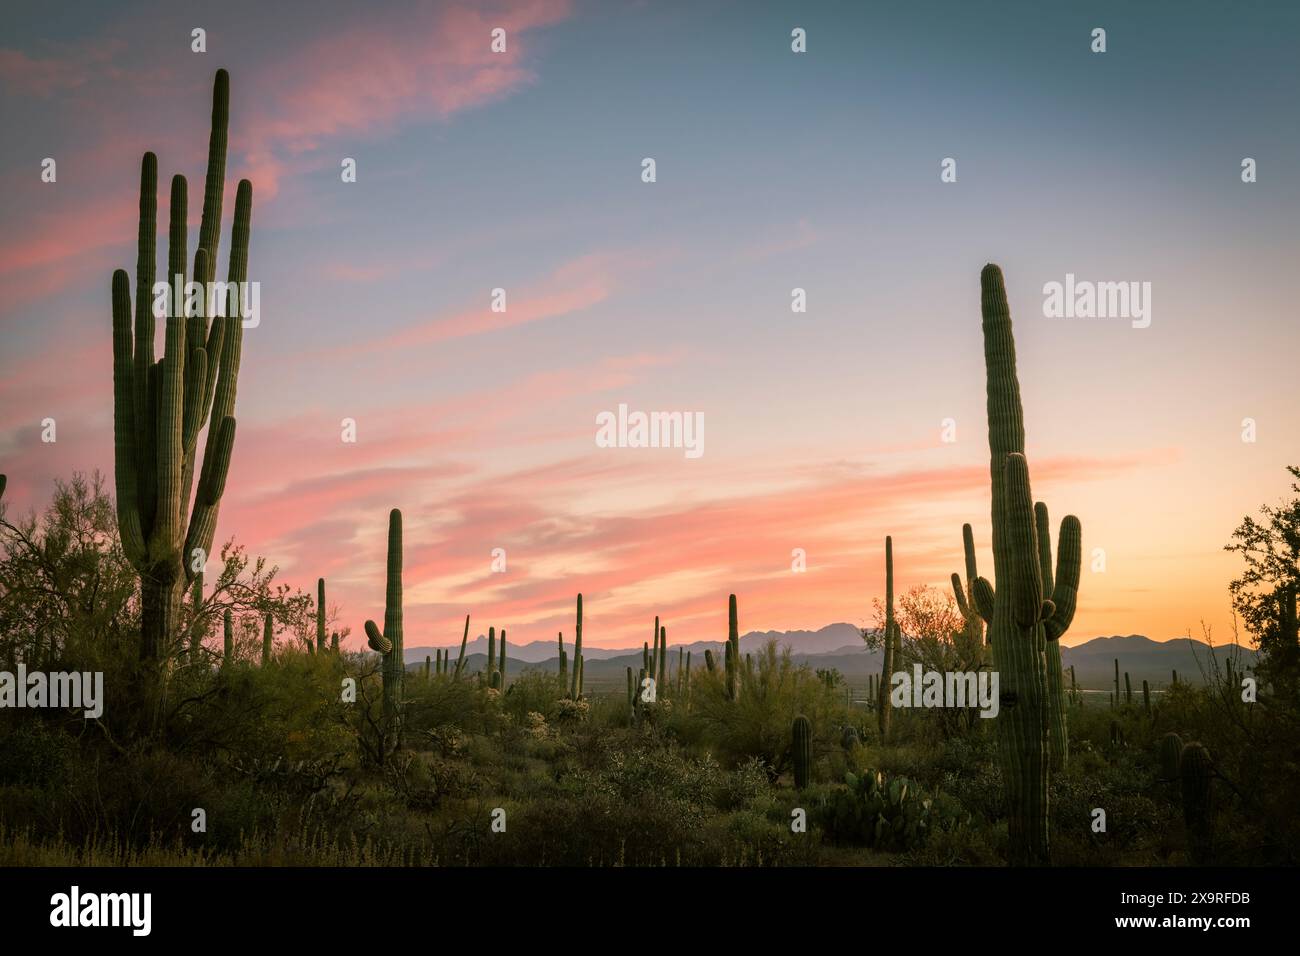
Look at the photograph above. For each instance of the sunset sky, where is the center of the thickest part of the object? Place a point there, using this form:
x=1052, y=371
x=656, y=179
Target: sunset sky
x=775, y=170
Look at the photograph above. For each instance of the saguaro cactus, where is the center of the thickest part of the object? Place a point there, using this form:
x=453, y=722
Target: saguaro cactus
x=389, y=642
x=1064, y=590
x=575, y=689
x=159, y=407
x=1197, y=773
x=1146, y=697
x=267, y=640
x=502, y=667
x=663, y=658
x=733, y=649
x=884, y=705
x=709, y=663
x=1115, y=702
x=228, y=644
x=975, y=605
x=464, y=638
x=1128, y=689
x=490, y=664
x=801, y=748
x=1021, y=606
x=563, y=662
x=320, y=615
x=1171, y=749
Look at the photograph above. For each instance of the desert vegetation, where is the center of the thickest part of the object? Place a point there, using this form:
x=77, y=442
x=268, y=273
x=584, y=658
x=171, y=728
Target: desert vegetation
x=231, y=701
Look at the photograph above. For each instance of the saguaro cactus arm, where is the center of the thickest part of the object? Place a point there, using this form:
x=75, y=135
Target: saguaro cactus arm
x=964, y=603
x=159, y=407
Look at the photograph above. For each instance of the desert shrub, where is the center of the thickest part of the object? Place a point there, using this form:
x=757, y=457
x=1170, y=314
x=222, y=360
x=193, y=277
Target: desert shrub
x=34, y=754
x=533, y=691
x=757, y=723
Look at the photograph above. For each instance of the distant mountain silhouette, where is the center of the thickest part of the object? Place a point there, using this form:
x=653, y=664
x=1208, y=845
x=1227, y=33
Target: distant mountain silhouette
x=839, y=646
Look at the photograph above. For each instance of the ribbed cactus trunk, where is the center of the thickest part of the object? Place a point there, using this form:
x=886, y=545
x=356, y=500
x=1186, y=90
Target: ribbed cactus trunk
x=884, y=706
x=160, y=406
x=663, y=657
x=733, y=649
x=1016, y=632
x=1063, y=586
x=1115, y=702
x=801, y=750
x=1197, y=773
x=686, y=685
x=389, y=642
x=1128, y=689
x=652, y=665
x=464, y=638
x=491, y=664
x=1146, y=698
x=268, y=640
x=334, y=642
x=228, y=642
x=1171, y=749
x=575, y=690
x=709, y=664
x=320, y=615
x=502, y=667
x=631, y=693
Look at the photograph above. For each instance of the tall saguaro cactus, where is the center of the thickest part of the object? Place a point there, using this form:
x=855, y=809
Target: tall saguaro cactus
x=884, y=705
x=460, y=660
x=320, y=615
x=160, y=406
x=268, y=640
x=801, y=749
x=1022, y=607
x=228, y=639
x=733, y=649
x=575, y=691
x=389, y=642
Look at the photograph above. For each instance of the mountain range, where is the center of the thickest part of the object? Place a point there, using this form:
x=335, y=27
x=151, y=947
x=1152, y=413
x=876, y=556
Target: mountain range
x=839, y=646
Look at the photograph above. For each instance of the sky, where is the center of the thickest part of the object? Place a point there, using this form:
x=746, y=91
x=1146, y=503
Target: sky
x=775, y=170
